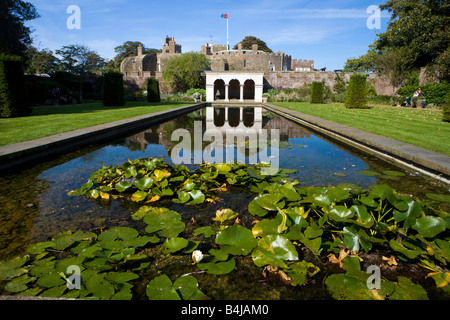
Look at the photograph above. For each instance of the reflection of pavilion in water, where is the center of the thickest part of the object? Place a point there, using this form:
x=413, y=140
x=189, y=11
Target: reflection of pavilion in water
x=234, y=118
x=221, y=118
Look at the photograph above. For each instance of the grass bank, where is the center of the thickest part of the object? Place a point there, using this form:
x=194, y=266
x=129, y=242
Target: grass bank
x=50, y=120
x=420, y=127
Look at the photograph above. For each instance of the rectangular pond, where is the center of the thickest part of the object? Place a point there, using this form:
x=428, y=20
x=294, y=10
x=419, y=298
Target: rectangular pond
x=34, y=204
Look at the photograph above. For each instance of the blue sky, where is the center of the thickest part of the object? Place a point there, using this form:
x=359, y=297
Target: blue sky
x=327, y=31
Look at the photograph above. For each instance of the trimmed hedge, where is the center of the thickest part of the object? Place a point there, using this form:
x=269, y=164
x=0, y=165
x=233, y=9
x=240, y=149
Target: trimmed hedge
x=153, y=94
x=113, y=89
x=446, y=109
x=317, y=92
x=13, y=94
x=356, y=95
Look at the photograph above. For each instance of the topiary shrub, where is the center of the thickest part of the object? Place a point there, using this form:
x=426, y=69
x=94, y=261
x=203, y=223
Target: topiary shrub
x=446, y=109
x=436, y=92
x=356, y=95
x=317, y=92
x=14, y=100
x=153, y=94
x=113, y=89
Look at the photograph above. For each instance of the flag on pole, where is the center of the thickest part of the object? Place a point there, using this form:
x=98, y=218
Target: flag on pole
x=225, y=15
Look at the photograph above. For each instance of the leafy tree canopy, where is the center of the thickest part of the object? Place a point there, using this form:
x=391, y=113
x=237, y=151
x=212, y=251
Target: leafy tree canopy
x=79, y=59
x=248, y=41
x=42, y=61
x=418, y=36
x=14, y=35
x=184, y=71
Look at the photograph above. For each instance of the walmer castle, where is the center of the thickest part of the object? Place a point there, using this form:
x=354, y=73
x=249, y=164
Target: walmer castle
x=280, y=70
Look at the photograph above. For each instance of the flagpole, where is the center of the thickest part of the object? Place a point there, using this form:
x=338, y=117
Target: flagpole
x=228, y=39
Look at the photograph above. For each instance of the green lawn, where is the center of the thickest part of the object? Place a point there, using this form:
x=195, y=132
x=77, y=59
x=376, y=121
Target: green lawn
x=420, y=127
x=46, y=121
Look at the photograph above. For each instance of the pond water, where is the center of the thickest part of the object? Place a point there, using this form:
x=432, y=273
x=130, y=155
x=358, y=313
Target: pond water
x=34, y=204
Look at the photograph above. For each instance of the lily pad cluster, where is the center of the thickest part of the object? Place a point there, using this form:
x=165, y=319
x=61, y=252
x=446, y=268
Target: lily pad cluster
x=150, y=179
x=290, y=225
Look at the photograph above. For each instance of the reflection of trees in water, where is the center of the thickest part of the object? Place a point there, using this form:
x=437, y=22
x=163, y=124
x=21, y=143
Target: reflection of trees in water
x=288, y=129
x=19, y=207
x=162, y=134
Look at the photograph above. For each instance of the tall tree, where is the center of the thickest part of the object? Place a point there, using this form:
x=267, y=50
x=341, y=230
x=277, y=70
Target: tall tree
x=79, y=60
x=129, y=49
x=40, y=61
x=184, y=71
x=14, y=35
x=418, y=35
x=248, y=41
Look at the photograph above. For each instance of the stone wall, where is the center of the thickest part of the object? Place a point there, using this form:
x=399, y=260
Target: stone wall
x=294, y=79
x=249, y=60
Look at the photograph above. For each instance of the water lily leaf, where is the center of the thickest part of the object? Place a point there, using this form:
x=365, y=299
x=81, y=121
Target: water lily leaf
x=379, y=191
x=429, y=226
x=411, y=254
x=339, y=174
x=443, y=249
x=310, y=238
x=183, y=197
x=50, y=280
x=290, y=192
x=270, y=201
x=410, y=215
x=353, y=240
x=19, y=284
x=55, y=292
x=218, y=268
x=368, y=173
x=62, y=264
x=197, y=197
x=256, y=210
x=339, y=213
x=273, y=250
x=175, y=244
x=40, y=247
x=99, y=286
x=405, y=289
x=394, y=173
x=161, y=174
x=236, y=240
x=222, y=167
x=164, y=221
x=130, y=172
x=187, y=286
x=364, y=218
x=94, y=194
x=353, y=286
x=122, y=185
x=368, y=201
x=225, y=214
x=438, y=197
x=299, y=271
x=139, y=196
x=401, y=203
x=121, y=277
x=328, y=196
x=254, y=173
x=118, y=233
x=141, y=212
x=12, y=268
x=265, y=227
x=144, y=183
x=206, y=231
x=124, y=293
